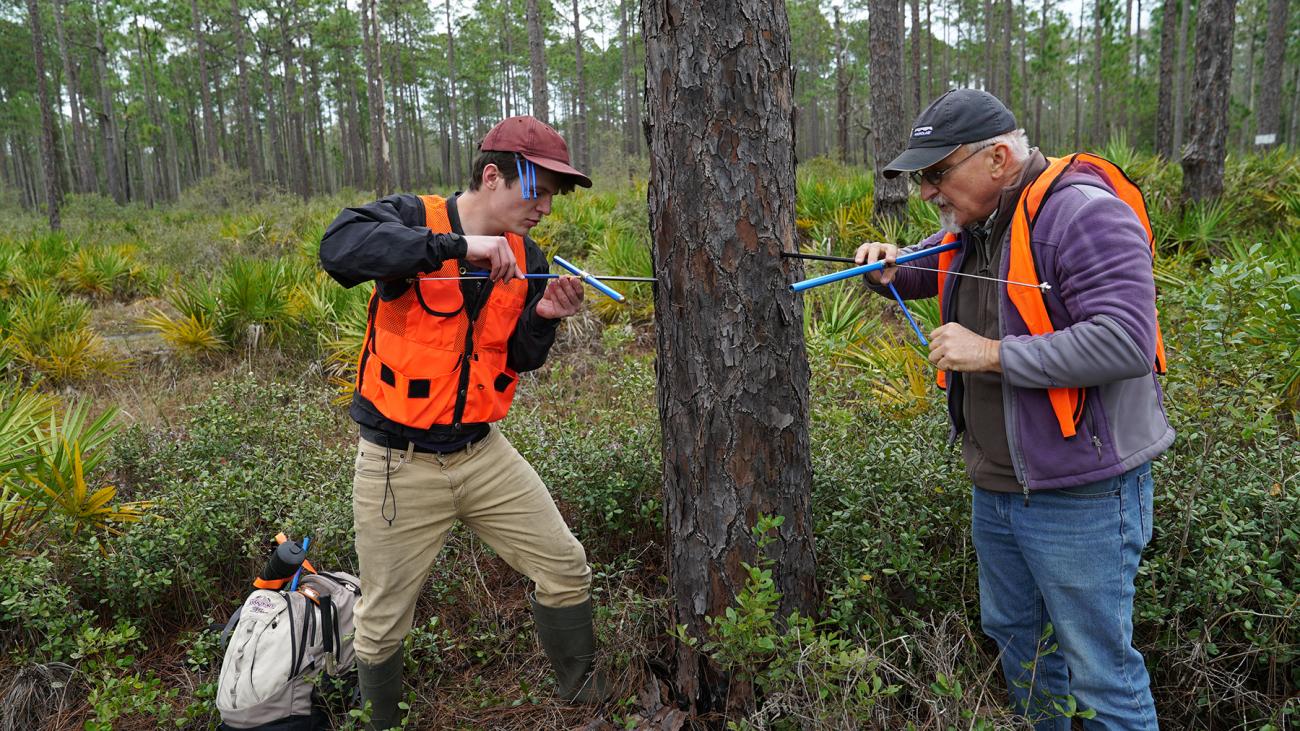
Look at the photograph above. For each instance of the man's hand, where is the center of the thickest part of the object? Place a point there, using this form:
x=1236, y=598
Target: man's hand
x=494, y=254
x=562, y=298
x=954, y=348
x=873, y=252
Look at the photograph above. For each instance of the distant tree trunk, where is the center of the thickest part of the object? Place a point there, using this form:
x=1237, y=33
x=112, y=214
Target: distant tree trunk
x=929, y=54
x=891, y=126
x=1180, y=80
x=375, y=77
x=108, y=119
x=916, y=57
x=1078, y=90
x=1270, y=87
x=1207, y=148
x=1248, y=84
x=630, y=114
x=451, y=100
x=213, y=152
x=537, y=58
x=252, y=155
x=1168, y=77
x=293, y=108
x=733, y=377
x=53, y=196
x=85, y=165
x=1024, y=67
x=1044, y=24
x=990, y=52
x=842, y=84
x=1098, y=63
x=580, y=123
x=1008, y=27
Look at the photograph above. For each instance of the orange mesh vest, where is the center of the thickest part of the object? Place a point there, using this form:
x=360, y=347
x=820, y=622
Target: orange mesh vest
x=425, y=362
x=1067, y=403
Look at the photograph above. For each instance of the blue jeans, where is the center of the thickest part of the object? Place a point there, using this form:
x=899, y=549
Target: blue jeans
x=1069, y=557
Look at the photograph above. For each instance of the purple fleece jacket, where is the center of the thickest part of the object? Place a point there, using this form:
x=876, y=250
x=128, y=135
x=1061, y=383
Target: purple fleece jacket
x=1091, y=248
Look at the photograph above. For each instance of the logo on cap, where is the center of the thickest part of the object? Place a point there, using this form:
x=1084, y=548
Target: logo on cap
x=922, y=131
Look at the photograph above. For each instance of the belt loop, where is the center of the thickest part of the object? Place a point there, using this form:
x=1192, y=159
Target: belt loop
x=410, y=450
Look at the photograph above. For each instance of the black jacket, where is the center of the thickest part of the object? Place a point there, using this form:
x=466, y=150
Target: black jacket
x=387, y=242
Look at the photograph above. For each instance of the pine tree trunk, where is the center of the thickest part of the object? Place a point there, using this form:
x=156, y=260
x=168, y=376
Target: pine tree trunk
x=1008, y=27
x=842, y=91
x=889, y=122
x=1270, y=87
x=213, y=153
x=1168, y=77
x=537, y=58
x=378, y=125
x=53, y=196
x=1037, y=87
x=630, y=145
x=1098, y=63
x=113, y=172
x=1211, y=84
x=580, y=144
x=1248, y=84
x=733, y=376
x=454, y=147
x=85, y=164
x=1180, y=80
x=252, y=155
x=916, y=58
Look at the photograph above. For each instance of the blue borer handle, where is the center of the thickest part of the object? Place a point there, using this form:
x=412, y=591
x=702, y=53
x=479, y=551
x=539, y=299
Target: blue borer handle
x=589, y=279
x=865, y=268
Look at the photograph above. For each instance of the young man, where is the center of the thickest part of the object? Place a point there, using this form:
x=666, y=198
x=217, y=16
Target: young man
x=438, y=368
x=1053, y=392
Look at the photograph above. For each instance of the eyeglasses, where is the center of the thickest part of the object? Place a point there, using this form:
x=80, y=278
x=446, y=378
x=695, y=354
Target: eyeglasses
x=934, y=177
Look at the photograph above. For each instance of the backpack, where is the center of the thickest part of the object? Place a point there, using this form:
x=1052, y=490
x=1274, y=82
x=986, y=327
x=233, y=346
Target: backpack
x=283, y=644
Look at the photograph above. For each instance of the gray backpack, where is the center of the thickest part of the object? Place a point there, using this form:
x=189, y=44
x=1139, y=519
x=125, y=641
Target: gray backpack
x=281, y=645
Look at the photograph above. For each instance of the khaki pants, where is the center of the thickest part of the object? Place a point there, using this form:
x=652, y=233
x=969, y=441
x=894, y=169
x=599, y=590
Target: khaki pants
x=490, y=488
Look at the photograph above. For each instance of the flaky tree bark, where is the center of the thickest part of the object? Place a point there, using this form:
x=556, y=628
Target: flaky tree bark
x=1270, y=87
x=53, y=196
x=1211, y=82
x=537, y=60
x=733, y=377
x=891, y=125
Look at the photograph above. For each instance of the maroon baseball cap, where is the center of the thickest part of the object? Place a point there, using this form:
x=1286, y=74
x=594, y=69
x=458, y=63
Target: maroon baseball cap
x=537, y=142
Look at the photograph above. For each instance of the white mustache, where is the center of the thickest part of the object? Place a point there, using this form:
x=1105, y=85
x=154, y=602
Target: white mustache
x=947, y=217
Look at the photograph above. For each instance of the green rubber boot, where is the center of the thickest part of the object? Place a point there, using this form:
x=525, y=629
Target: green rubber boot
x=566, y=635
x=381, y=684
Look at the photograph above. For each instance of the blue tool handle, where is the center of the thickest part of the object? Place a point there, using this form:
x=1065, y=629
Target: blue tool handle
x=901, y=303
x=591, y=280
x=865, y=268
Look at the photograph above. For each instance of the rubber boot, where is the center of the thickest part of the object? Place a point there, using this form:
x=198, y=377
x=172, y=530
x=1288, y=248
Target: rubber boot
x=567, y=638
x=381, y=684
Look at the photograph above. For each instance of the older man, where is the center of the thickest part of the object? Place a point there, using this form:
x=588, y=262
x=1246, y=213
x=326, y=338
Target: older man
x=1053, y=391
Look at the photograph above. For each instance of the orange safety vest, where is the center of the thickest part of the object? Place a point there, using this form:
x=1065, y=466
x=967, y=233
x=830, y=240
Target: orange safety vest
x=1067, y=403
x=425, y=362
